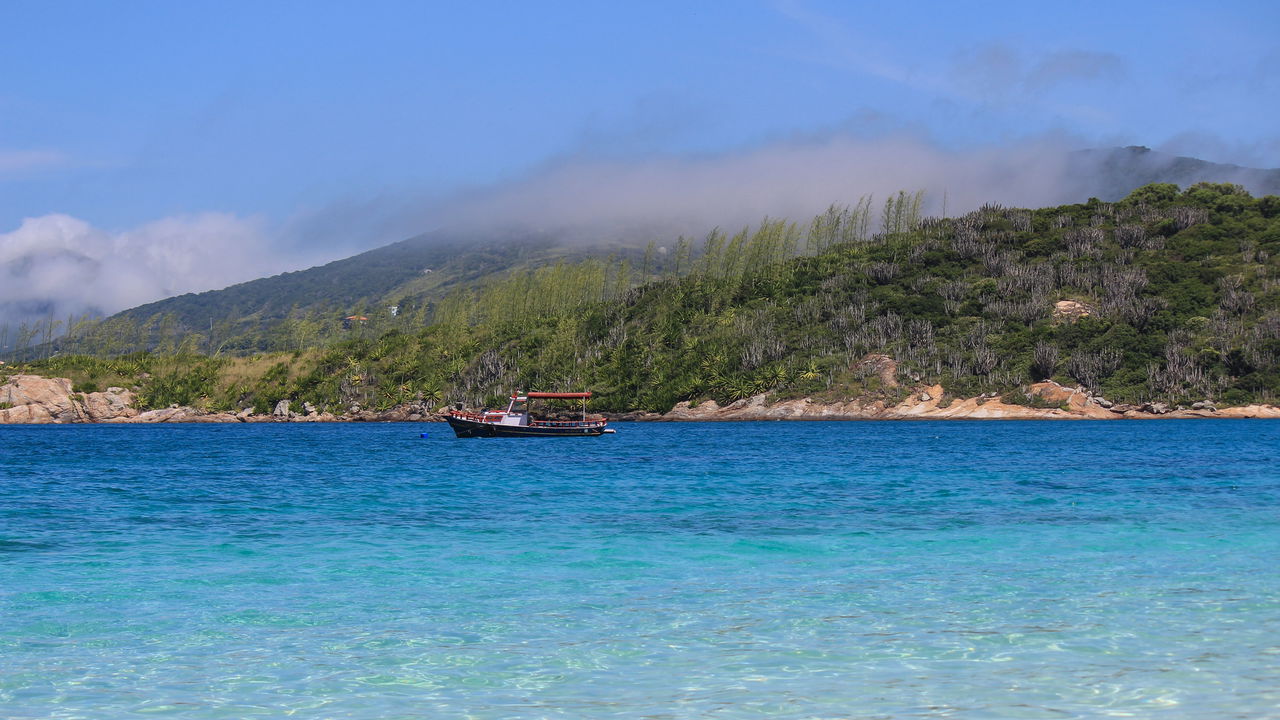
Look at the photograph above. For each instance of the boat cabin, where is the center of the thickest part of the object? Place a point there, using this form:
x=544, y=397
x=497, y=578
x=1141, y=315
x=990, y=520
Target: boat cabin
x=517, y=412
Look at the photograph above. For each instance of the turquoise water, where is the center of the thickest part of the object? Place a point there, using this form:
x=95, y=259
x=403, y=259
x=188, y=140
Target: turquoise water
x=793, y=570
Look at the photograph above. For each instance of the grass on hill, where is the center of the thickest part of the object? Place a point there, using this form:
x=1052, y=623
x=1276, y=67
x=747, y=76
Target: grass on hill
x=1181, y=291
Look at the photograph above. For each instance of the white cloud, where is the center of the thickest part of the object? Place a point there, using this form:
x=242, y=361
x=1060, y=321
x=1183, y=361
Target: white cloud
x=799, y=179
x=63, y=265
x=658, y=197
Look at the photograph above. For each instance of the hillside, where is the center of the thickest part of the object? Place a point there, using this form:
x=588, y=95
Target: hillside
x=244, y=317
x=1166, y=295
x=306, y=307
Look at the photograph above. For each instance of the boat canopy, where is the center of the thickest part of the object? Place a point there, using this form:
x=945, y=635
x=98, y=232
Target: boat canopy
x=559, y=396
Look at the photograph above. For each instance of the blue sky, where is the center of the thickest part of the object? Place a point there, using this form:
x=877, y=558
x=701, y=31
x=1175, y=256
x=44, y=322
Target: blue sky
x=123, y=112
x=350, y=125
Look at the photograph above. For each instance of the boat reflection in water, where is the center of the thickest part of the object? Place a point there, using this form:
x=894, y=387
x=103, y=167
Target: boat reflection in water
x=516, y=421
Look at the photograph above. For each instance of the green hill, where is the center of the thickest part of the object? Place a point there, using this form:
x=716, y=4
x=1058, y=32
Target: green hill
x=305, y=308
x=308, y=307
x=1169, y=294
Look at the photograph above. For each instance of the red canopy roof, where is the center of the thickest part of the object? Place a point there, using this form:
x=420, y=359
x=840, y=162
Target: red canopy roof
x=558, y=396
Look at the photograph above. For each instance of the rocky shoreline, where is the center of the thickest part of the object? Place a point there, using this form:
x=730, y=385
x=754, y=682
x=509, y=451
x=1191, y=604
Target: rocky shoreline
x=31, y=399
x=35, y=400
x=931, y=403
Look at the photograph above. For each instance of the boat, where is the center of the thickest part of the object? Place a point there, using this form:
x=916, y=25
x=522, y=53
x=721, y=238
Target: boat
x=516, y=420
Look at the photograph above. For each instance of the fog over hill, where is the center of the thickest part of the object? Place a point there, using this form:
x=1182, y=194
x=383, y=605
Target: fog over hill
x=56, y=266
x=667, y=196
x=1110, y=174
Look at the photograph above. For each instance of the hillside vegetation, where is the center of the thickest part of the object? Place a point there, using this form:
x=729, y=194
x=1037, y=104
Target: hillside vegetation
x=1174, y=296
x=308, y=307
x=294, y=309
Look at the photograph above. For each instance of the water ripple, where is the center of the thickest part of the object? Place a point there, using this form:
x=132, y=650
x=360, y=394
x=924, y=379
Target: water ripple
x=792, y=570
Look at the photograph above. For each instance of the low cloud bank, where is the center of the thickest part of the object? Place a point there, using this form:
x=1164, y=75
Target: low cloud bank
x=600, y=200
x=795, y=180
x=59, y=265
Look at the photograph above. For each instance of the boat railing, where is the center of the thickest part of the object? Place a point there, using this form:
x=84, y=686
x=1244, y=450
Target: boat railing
x=568, y=423
x=477, y=416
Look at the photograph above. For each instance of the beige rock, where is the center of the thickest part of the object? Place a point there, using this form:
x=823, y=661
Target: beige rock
x=705, y=410
x=27, y=415
x=205, y=417
x=395, y=414
x=39, y=400
x=106, y=406
x=1071, y=310
x=154, y=416
x=885, y=367
x=1248, y=411
x=924, y=404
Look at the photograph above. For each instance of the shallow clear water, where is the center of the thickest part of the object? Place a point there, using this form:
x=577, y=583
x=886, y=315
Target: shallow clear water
x=796, y=570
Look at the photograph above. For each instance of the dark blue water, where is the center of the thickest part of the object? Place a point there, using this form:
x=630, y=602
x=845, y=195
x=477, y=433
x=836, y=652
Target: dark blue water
x=796, y=570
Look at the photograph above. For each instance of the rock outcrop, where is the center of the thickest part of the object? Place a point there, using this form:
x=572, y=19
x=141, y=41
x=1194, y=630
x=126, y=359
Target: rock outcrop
x=34, y=399
x=31, y=399
x=1052, y=402
x=114, y=404
x=38, y=400
x=1244, y=411
x=882, y=366
x=1071, y=310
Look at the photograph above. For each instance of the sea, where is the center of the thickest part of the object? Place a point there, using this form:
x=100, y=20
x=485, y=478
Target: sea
x=922, y=569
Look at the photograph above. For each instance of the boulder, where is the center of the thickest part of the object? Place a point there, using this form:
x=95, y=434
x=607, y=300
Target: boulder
x=281, y=410
x=883, y=366
x=705, y=410
x=28, y=414
x=34, y=399
x=114, y=404
x=1071, y=310
x=198, y=416
x=1055, y=394
x=164, y=415
x=395, y=414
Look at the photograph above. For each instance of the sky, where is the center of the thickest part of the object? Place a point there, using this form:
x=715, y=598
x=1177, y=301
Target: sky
x=204, y=143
